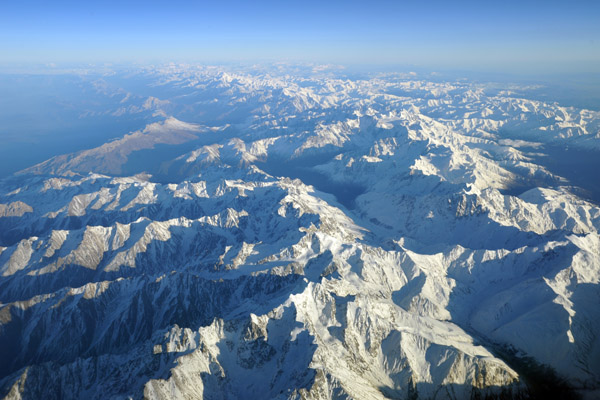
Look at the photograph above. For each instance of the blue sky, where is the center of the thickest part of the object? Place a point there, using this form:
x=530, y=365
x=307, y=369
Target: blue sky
x=560, y=36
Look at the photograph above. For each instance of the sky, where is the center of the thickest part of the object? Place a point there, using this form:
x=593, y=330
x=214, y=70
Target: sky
x=513, y=36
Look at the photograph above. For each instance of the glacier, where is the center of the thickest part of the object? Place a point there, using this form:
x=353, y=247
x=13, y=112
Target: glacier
x=294, y=233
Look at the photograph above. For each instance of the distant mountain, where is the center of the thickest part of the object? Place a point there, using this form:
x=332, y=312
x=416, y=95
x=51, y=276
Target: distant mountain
x=315, y=237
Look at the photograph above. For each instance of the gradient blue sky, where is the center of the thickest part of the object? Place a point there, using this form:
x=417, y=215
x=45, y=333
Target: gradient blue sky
x=512, y=36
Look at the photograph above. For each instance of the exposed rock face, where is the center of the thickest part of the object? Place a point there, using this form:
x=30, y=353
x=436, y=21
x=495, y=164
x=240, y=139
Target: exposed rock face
x=348, y=239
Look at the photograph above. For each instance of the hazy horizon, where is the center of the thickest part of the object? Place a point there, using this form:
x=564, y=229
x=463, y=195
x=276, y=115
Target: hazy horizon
x=512, y=37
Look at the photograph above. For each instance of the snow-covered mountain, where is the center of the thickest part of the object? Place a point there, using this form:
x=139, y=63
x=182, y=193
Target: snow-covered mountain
x=287, y=233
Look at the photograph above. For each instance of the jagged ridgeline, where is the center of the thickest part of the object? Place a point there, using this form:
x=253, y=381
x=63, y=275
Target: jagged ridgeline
x=300, y=234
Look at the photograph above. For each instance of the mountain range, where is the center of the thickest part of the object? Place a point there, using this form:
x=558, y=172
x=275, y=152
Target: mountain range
x=295, y=233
